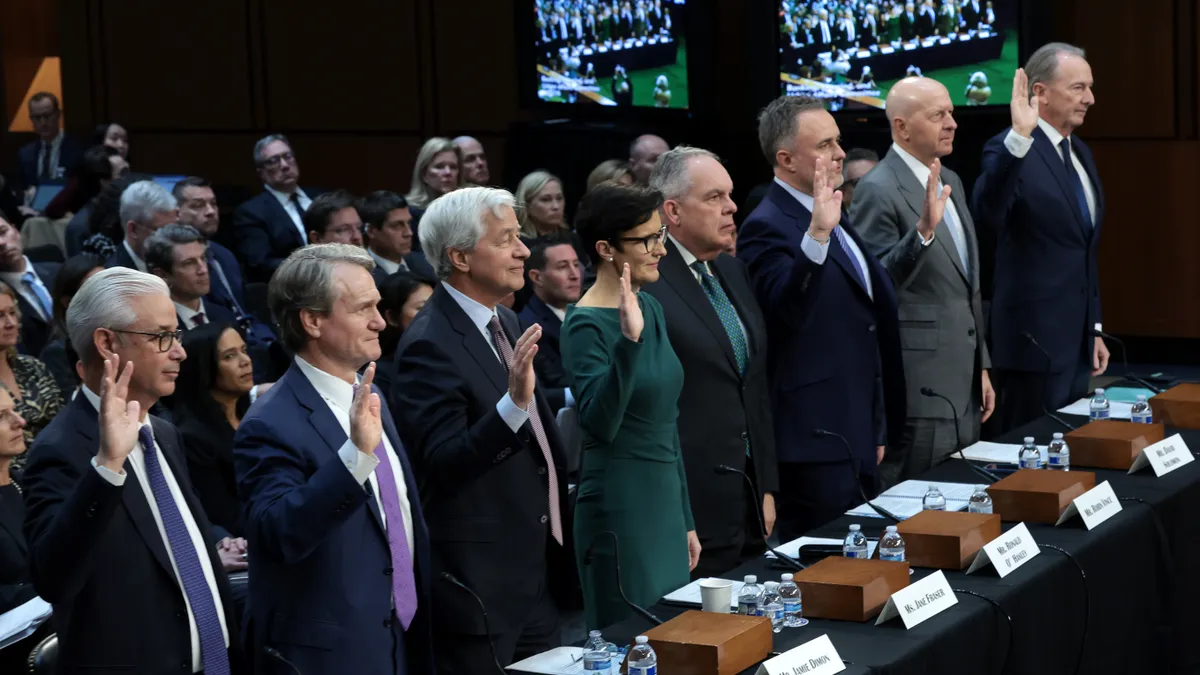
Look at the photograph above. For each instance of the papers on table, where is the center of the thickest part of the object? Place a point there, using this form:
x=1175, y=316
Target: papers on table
x=1000, y=453
x=19, y=623
x=792, y=548
x=557, y=661
x=690, y=594
x=1117, y=410
x=905, y=499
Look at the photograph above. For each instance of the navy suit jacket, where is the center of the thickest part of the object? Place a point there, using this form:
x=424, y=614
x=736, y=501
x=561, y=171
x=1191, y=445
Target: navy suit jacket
x=548, y=362
x=35, y=331
x=834, y=354
x=265, y=234
x=417, y=264
x=261, y=332
x=120, y=258
x=213, y=312
x=321, y=587
x=1046, y=279
x=70, y=153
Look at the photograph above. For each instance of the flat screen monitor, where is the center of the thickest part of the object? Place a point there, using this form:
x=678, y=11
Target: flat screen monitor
x=46, y=192
x=168, y=182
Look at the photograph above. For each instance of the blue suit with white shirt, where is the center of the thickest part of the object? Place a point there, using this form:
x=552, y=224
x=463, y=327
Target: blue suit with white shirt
x=321, y=586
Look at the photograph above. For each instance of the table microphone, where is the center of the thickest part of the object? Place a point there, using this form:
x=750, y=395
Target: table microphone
x=1046, y=382
x=587, y=561
x=724, y=468
x=275, y=654
x=928, y=391
x=1125, y=362
x=446, y=576
x=820, y=433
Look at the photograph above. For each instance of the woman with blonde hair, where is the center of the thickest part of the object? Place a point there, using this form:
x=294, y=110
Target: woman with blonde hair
x=438, y=170
x=542, y=212
x=615, y=170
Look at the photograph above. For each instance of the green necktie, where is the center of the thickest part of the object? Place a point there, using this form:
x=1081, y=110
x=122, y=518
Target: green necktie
x=726, y=313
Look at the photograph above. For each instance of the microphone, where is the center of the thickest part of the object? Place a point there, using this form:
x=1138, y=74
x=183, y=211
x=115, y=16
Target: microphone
x=927, y=391
x=274, y=653
x=1046, y=382
x=587, y=560
x=446, y=576
x=1125, y=362
x=725, y=469
x=820, y=433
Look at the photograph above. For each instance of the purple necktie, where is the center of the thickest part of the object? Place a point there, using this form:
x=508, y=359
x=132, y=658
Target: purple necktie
x=404, y=587
x=191, y=574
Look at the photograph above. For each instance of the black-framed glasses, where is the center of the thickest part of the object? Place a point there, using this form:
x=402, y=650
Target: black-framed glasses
x=275, y=160
x=166, y=339
x=650, y=242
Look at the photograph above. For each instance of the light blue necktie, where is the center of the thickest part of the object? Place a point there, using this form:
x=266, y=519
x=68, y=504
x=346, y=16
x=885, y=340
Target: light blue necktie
x=31, y=280
x=959, y=237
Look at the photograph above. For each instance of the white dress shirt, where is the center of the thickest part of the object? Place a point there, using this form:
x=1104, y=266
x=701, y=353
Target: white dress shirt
x=14, y=279
x=689, y=259
x=285, y=200
x=1019, y=146
x=816, y=251
x=338, y=394
x=138, y=262
x=387, y=265
x=954, y=222
x=479, y=315
x=188, y=315
x=137, y=459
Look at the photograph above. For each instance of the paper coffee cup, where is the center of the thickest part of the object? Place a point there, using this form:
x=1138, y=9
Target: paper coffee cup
x=716, y=595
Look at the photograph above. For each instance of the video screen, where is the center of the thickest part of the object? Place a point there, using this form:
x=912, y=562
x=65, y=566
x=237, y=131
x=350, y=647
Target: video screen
x=851, y=52
x=612, y=52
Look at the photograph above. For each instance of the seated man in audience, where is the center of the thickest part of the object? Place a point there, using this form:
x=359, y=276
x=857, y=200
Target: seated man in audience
x=858, y=163
x=332, y=219
x=643, y=153
x=145, y=207
x=270, y=226
x=474, y=161
x=47, y=159
x=556, y=276
x=177, y=254
x=389, y=236
x=32, y=282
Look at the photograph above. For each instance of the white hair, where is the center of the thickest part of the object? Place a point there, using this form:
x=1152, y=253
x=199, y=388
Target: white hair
x=143, y=200
x=455, y=220
x=672, y=176
x=103, y=302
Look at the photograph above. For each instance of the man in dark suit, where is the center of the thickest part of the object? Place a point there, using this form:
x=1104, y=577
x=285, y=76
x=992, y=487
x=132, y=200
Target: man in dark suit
x=389, y=235
x=483, y=441
x=145, y=207
x=54, y=153
x=1039, y=190
x=33, y=283
x=972, y=14
x=177, y=254
x=719, y=335
x=119, y=542
x=556, y=276
x=324, y=479
x=926, y=240
x=908, y=23
x=831, y=322
x=270, y=226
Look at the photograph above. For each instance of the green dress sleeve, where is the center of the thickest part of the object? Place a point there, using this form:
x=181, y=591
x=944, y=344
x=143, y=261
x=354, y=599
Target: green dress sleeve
x=602, y=366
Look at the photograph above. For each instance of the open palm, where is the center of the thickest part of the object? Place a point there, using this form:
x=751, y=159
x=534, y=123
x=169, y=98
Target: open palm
x=120, y=417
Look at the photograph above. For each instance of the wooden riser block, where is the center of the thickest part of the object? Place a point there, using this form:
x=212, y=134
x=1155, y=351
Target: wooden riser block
x=849, y=589
x=947, y=540
x=1178, y=406
x=1038, y=495
x=1111, y=444
x=705, y=643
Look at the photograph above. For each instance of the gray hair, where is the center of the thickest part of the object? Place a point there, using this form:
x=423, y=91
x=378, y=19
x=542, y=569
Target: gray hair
x=777, y=122
x=103, y=302
x=420, y=194
x=305, y=282
x=159, y=249
x=264, y=142
x=672, y=176
x=527, y=190
x=143, y=200
x=455, y=220
x=1042, y=65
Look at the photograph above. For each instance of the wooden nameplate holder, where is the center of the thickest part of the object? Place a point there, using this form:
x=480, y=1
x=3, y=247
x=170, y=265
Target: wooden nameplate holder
x=947, y=540
x=849, y=589
x=1111, y=444
x=704, y=643
x=1178, y=406
x=1038, y=495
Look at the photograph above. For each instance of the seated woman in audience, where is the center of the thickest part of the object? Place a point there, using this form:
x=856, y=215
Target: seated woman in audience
x=58, y=355
x=100, y=166
x=402, y=295
x=25, y=378
x=211, y=396
x=438, y=170
x=626, y=381
x=540, y=208
x=614, y=170
x=112, y=135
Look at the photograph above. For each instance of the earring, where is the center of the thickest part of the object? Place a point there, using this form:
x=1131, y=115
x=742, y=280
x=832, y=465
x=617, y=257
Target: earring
x=610, y=259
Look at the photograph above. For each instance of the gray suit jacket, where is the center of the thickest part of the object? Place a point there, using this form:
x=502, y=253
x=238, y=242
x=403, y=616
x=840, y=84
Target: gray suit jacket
x=941, y=314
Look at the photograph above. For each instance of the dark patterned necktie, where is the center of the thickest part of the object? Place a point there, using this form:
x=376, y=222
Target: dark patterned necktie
x=726, y=313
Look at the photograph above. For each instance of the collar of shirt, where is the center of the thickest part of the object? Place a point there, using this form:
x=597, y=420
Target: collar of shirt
x=334, y=390
x=141, y=264
x=14, y=278
x=918, y=169
x=94, y=399
x=689, y=258
x=384, y=264
x=1052, y=134
x=55, y=142
x=560, y=313
x=284, y=198
x=187, y=313
x=805, y=200
x=477, y=313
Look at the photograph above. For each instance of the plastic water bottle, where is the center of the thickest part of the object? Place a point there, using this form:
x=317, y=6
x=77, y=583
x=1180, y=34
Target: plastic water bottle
x=1030, y=457
x=855, y=545
x=981, y=501
x=772, y=605
x=891, y=546
x=1098, y=410
x=1141, y=413
x=750, y=597
x=596, y=657
x=642, y=659
x=793, y=607
x=1058, y=457
x=934, y=500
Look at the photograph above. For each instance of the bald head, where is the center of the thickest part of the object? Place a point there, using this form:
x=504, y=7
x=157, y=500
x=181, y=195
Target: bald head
x=475, y=165
x=922, y=118
x=643, y=153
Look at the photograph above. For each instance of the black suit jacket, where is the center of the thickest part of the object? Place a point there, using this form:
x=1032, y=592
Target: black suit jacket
x=417, y=264
x=548, y=362
x=98, y=558
x=15, y=587
x=483, y=486
x=719, y=407
x=120, y=258
x=208, y=446
x=214, y=312
x=265, y=234
x=70, y=153
x=35, y=331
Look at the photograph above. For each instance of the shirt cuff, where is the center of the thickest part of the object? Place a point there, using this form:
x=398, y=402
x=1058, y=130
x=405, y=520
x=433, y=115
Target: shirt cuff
x=513, y=416
x=1017, y=144
x=815, y=250
x=1099, y=328
x=570, y=398
x=114, y=478
x=925, y=242
x=358, y=463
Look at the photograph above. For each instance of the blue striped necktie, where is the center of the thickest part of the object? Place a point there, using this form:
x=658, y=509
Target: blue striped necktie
x=1076, y=182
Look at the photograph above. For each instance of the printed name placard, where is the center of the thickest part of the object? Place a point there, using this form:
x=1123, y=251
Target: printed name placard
x=1164, y=456
x=815, y=657
x=927, y=597
x=1095, y=506
x=1007, y=552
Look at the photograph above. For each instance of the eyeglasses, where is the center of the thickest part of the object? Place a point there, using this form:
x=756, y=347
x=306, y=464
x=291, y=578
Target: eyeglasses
x=650, y=242
x=275, y=160
x=166, y=339
x=42, y=117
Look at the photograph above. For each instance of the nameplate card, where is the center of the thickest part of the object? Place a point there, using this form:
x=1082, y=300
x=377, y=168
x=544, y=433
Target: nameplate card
x=1007, y=552
x=815, y=657
x=1095, y=506
x=919, y=601
x=1164, y=456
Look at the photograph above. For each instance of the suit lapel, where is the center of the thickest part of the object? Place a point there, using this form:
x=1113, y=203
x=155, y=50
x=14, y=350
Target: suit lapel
x=914, y=195
x=472, y=340
x=293, y=233
x=741, y=296
x=683, y=282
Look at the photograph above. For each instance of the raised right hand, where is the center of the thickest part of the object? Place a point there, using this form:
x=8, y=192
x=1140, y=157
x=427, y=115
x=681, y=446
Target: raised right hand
x=521, y=379
x=827, y=204
x=120, y=418
x=366, y=420
x=1024, y=107
x=935, y=202
x=632, y=320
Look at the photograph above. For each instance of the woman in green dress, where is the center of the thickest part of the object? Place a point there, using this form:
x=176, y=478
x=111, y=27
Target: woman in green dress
x=626, y=382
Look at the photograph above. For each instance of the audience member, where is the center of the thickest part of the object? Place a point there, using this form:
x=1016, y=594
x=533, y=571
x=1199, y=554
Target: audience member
x=643, y=153
x=474, y=161
x=435, y=173
x=833, y=329
x=332, y=219
x=132, y=567
x=541, y=209
x=54, y=153
x=307, y=516
x=145, y=207
x=858, y=163
x=271, y=225
x=389, y=237
x=112, y=135
x=58, y=356
x=717, y=331
x=177, y=254
x=108, y=203
x=15, y=586
x=556, y=278
x=31, y=284
x=934, y=264
x=401, y=296
x=34, y=392
x=100, y=166
x=614, y=170
x=484, y=441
